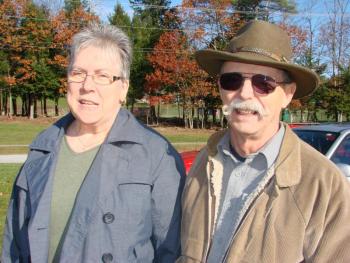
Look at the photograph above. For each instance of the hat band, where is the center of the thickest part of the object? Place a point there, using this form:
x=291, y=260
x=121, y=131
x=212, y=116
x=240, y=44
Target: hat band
x=261, y=52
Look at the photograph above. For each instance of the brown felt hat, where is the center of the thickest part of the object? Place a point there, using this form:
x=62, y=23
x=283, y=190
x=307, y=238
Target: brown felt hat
x=261, y=43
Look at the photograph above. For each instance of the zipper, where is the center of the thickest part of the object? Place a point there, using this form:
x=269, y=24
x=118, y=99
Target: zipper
x=212, y=211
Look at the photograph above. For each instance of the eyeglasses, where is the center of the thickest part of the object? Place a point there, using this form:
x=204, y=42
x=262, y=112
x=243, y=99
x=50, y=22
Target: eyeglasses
x=99, y=78
x=261, y=84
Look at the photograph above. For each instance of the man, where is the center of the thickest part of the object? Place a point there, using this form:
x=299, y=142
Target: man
x=256, y=192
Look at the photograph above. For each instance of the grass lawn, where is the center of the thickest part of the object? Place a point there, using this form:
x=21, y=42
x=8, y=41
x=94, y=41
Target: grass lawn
x=7, y=176
x=21, y=131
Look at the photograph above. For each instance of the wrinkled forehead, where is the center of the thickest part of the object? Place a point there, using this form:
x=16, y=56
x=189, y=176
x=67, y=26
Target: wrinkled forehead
x=231, y=66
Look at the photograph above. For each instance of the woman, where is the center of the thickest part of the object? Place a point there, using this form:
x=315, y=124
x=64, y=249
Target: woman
x=97, y=186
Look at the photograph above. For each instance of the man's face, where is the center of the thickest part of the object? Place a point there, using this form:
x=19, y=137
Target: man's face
x=245, y=120
x=91, y=103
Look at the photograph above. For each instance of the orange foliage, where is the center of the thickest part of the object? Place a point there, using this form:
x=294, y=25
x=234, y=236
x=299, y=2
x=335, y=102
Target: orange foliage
x=206, y=20
x=174, y=66
x=65, y=26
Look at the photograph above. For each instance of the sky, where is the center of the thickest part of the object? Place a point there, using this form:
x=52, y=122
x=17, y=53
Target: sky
x=105, y=8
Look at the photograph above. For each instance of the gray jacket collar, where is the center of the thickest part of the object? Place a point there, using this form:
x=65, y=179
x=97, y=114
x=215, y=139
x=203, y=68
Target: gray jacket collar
x=125, y=129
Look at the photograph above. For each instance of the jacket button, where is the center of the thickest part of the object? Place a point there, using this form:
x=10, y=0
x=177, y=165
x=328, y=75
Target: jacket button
x=107, y=257
x=108, y=218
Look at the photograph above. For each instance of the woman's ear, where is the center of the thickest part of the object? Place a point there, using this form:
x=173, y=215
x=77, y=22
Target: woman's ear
x=124, y=90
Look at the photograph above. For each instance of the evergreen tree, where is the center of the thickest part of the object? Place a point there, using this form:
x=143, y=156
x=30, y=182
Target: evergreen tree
x=139, y=36
x=121, y=19
x=71, y=5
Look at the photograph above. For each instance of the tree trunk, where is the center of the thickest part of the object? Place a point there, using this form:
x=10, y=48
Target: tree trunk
x=56, y=106
x=340, y=116
x=14, y=105
x=45, y=106
x=42, y=106
x=158, y=112
x=9, y=101
x=5, y=104
x=213, y=110
x=31, y=107
x=186, y=118
x=23, y=103
x=35, y=103
x=205, y=113
x=1, y=102
x=132, y=105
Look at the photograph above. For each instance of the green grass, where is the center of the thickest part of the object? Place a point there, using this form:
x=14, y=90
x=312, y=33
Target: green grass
x=21, y=133
x=186, y=139
x=7, y=176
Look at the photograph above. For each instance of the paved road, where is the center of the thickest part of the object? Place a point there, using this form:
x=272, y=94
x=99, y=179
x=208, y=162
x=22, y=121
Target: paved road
x=13, y=158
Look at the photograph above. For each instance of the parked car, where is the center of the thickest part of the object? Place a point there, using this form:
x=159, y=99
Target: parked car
x=331, y=139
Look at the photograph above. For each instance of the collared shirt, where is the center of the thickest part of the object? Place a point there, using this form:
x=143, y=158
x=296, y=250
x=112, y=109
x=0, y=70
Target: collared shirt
x=240, y=180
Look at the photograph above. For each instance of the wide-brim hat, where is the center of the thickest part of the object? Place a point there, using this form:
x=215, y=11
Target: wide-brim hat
x=261, y=43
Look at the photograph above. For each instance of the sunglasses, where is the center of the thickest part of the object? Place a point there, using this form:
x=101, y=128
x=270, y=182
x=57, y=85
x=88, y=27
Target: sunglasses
x=261, y=84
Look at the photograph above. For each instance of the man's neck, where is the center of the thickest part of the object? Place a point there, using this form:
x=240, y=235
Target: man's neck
x=246, y=145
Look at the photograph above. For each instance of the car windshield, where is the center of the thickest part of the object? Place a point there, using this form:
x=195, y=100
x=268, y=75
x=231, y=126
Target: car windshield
x=320, y=140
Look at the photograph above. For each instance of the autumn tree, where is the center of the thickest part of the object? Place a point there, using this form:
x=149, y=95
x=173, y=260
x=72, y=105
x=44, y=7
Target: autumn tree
x=11, y=46
x=212, y=23
x=148, y=23
x=176, y=73
x=66, y=24
x=37, y=34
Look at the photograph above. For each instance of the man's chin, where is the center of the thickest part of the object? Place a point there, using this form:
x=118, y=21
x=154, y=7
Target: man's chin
x=244, y=128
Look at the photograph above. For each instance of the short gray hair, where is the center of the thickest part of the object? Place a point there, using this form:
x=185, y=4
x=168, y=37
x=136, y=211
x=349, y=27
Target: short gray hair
x=106, y=37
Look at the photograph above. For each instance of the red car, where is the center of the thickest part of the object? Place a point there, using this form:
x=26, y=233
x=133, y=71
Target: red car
x=188, y=158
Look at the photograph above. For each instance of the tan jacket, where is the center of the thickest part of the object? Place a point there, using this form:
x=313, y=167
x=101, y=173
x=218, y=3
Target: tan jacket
x=302, y=214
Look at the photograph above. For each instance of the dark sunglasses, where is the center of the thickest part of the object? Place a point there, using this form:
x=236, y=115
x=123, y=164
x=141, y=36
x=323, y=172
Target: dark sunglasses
x=261, y=84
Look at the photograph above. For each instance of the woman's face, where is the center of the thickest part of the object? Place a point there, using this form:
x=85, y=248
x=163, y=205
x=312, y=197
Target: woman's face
x=93, y=104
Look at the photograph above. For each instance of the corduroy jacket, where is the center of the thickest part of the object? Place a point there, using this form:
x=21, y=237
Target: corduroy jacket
x=300, y=215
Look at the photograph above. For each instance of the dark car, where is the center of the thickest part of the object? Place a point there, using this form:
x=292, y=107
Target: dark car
x=332, y=140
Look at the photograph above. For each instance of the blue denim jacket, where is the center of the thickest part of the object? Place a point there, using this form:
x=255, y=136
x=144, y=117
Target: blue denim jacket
x=127, y=209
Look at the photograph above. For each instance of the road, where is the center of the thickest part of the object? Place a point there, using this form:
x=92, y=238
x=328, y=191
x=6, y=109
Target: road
x=13, y=158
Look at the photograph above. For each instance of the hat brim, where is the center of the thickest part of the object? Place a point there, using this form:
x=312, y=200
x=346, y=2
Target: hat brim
x=211, y=61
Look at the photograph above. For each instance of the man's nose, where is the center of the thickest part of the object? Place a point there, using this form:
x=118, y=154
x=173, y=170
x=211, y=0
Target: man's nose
x=246, y=91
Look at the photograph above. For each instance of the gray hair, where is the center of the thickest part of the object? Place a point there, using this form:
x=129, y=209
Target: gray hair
x=107, y=37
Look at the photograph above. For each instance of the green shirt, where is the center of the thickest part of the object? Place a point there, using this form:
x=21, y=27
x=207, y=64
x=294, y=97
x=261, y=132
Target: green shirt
x=70, y=172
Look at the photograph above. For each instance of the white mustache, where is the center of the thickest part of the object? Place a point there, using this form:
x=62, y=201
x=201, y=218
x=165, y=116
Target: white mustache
x=247, y=105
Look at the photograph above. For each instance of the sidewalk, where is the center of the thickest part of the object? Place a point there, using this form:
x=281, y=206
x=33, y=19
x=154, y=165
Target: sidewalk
x=13, y=158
